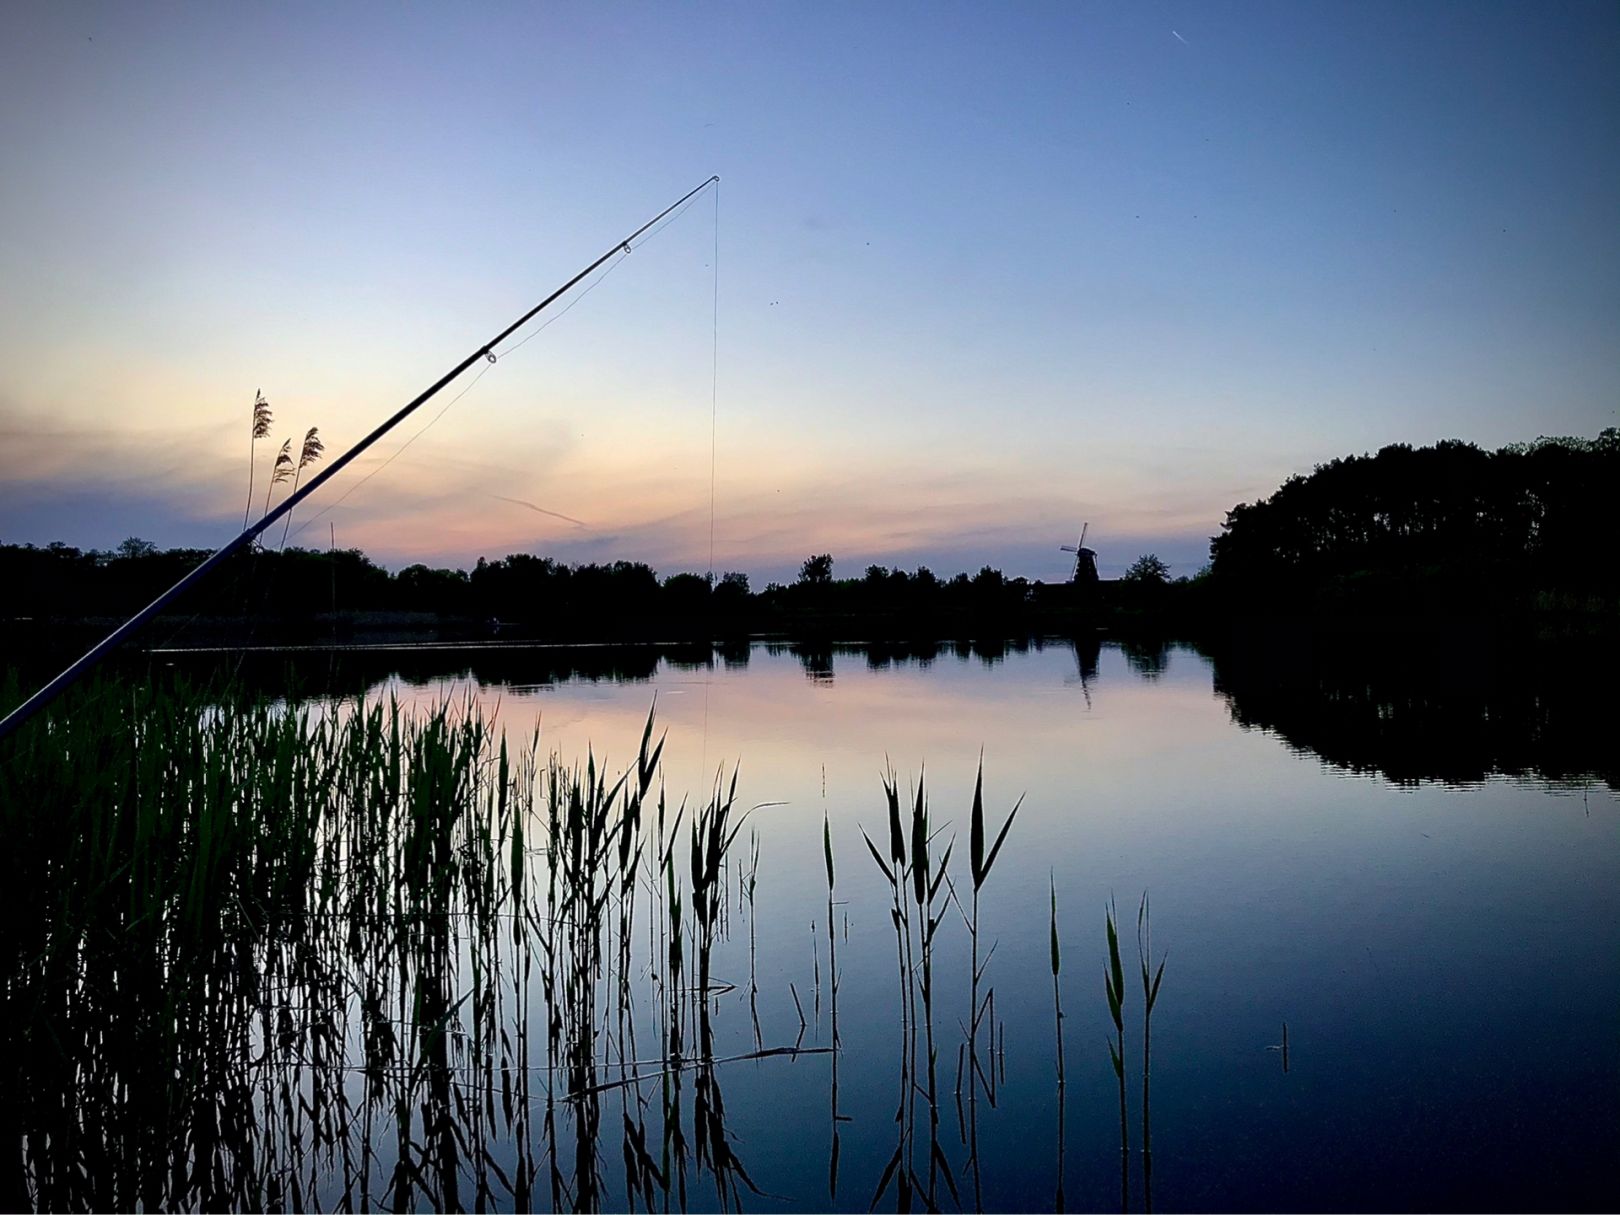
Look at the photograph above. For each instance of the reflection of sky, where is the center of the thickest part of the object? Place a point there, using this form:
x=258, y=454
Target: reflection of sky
x=987, y=272
x=1446, y=958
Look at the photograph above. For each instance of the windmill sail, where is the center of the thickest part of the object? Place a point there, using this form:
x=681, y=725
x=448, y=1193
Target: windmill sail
x=1085, y=559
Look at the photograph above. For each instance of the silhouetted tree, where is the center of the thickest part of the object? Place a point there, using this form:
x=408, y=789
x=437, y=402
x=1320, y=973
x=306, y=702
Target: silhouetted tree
x=817, y=571
x=731, y=592
x=685, y=594
x=1445, y=524
x=434, y=590
x=1148, y=569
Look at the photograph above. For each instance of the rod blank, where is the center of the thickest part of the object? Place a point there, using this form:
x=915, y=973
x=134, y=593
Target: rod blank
x=84, y=665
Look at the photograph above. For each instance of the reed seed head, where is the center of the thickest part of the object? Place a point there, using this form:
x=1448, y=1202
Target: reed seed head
x=261, y=415
x=312, y=449
x=284, y=463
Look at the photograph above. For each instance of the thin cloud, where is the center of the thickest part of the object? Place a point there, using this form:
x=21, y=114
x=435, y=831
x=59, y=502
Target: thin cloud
x=540, y=510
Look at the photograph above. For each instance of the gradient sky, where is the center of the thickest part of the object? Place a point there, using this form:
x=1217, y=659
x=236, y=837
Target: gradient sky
x=986, y=271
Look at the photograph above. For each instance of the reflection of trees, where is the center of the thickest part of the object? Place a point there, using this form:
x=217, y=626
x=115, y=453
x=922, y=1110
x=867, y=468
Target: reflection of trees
x=1147, y=657
x=348, y=673
x=294, y=673
x=734, y=652
x=1414, y=711
x=818, y=657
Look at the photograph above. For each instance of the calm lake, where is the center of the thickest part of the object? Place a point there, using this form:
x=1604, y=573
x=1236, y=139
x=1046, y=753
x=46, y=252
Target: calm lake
x=1412, y=860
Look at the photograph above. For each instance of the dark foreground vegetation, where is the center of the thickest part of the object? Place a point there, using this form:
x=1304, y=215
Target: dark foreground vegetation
x=1448, y=529
x=266, y=957
x=1525, y=533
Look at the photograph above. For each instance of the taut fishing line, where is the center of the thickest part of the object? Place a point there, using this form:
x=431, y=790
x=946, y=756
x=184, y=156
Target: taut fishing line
x=714, y=378
x=714, y=420
x=482, y=372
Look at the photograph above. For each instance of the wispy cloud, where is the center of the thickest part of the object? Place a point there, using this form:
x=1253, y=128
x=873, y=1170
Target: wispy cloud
x=540, y=510
x=437, y=503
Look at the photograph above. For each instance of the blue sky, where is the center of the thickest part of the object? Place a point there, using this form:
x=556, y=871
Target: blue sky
x=986, y=271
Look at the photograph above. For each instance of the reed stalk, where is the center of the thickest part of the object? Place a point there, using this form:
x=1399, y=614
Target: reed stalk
x=279, y=472
x=308, y=454
x=258, y=429
x=1057, y=1025
x=347, y=956
x=1150, y=996
x=980, y=864
x=1114, y=979
x=834, y=1145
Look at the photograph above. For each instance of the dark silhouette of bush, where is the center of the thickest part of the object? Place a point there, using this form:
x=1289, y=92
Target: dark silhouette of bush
x=1148, y=569
x=1448, y=527
x=817, y=570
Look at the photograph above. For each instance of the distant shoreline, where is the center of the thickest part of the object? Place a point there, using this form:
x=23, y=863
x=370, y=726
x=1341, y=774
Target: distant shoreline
x=1596, y=621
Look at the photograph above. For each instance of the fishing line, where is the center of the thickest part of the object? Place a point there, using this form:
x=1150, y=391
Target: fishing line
x=13, y=720
x=490, y=362
x=714, y=421
x=482, y=372
x=394, y=455
x=714, y=379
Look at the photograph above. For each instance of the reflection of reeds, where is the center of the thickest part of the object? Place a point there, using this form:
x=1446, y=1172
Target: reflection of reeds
x=347, y=957
x=285, y=957
x=918, y=892
x=980, y=864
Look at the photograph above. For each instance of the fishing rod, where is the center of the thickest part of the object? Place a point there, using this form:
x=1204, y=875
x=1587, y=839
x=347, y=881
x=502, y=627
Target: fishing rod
x=79, y=669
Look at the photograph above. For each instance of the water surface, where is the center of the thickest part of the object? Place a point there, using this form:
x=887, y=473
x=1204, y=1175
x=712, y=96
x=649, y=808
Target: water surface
x=1413, y=864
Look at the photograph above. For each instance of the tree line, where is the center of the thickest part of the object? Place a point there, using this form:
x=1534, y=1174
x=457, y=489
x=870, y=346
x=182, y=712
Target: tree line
x=521, y=590
x=1446, y=525
x=1450, y=527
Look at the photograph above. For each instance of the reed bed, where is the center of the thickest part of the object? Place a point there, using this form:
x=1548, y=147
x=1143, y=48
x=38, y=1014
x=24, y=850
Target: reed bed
x=275, y=957
x=282, y=956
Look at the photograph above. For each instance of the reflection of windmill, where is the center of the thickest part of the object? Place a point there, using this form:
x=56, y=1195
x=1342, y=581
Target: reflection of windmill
x=1085, y=560
x=1087, y=651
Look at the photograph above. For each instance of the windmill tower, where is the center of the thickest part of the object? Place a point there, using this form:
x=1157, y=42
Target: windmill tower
x=1085, y=561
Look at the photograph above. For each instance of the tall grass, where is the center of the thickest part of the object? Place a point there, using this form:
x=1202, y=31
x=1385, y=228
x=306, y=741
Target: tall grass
x=1057, y=1022
x=835, y=1144
x=279, y=472
x=1150, y=997
x=980, y=863
x=1114, y=982
x=921, y=891
x=270, y=955
x=274, y=956
x=309, y=453
x=258, y=428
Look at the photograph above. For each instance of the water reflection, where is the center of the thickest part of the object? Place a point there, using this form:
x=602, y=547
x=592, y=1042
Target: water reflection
x=1147, y=657
x=1410, y=711
x=1432, y=710
x=820, y=657
x=578, y=1049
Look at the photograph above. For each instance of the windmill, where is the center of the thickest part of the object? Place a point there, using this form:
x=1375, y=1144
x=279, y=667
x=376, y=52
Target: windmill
x=1085, y=560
